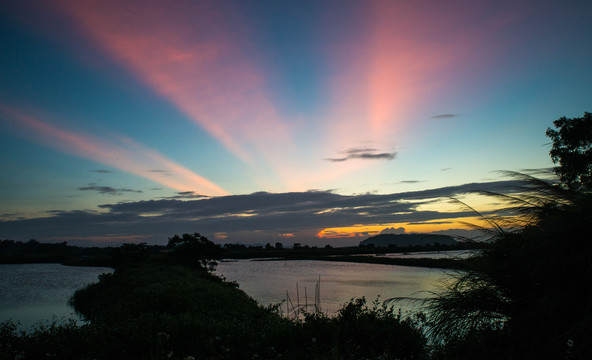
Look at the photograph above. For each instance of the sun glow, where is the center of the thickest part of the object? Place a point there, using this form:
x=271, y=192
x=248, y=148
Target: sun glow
x=410, y=227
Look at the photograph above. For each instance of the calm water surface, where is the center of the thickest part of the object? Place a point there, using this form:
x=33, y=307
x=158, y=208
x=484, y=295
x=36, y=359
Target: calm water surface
x=31, y=293
x=34, y=292
x=453, y=254
x=268, y=281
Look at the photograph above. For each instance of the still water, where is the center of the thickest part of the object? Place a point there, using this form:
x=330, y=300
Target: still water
x=454, y=254
x=268, y=281
x=30, y=293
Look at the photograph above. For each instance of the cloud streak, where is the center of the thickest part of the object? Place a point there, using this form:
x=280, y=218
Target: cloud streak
x=255, y=217
x=364, y=154
x=191, y=54
x=107, y=190
x=121, y=153
x=445, y=116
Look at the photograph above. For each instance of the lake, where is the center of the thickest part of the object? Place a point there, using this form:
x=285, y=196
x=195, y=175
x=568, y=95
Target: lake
x=33, y=292
x=453, y=254
x=268, y=281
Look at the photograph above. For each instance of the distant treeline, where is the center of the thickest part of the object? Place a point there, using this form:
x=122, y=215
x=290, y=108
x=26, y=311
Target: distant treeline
x=33, y=251
x=237, y=251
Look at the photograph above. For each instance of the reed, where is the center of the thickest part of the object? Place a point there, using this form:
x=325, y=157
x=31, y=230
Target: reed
x=519, y=295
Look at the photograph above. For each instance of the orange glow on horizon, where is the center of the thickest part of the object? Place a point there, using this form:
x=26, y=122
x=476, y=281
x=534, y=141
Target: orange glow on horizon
x=375, y=229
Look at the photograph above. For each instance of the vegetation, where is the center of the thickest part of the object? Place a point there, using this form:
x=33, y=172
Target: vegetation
x=190, y=248
x=312, y=253
x=572, y=149
x=525, y=295
x=521, y=298
x=157, y=310
x=184, y=248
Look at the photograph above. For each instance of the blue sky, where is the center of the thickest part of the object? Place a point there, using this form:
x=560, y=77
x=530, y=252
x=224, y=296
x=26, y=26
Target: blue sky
x=104, y=103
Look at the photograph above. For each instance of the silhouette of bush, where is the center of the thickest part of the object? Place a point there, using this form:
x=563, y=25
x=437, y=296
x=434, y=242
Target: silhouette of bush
x=524, y=295
x=195, y=249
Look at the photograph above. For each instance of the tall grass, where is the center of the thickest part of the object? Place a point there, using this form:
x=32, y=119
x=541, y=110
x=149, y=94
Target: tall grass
x=523, y=294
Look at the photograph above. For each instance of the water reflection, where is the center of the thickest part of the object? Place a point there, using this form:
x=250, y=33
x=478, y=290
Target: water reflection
x=453, y=254
x=268, y=281
x=33, y=292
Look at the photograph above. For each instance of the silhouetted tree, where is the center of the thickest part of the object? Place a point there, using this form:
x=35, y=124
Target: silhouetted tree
x=572, y=149
x=130, y=252
x=195, y=249
x=279, y=245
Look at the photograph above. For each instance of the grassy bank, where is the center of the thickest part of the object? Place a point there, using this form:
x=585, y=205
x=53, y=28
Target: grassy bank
x=160, y=310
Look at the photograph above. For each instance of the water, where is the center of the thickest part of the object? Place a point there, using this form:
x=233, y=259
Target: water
x=453, y=254
x=30, y=293
x=268, y=281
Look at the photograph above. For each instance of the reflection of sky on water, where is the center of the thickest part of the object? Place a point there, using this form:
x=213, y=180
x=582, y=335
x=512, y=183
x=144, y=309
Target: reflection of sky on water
x=268, y=281
x=33, y=292
x=454, y=254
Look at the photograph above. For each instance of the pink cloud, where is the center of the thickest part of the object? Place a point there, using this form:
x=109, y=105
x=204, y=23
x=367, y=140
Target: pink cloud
x=194, y=55
x=121, y=153
x=404, y=56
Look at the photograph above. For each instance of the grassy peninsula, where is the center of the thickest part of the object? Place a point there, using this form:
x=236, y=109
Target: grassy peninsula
x=165, y=308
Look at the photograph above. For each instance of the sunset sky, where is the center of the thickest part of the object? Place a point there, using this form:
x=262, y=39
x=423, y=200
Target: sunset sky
x=320, y=122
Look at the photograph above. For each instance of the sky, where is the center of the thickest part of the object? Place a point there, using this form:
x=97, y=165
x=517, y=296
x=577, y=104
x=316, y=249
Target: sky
x=318, y=122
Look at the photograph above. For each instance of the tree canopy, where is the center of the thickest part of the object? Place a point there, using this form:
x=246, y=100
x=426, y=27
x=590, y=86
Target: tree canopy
x=572, y=150
x=195, y=248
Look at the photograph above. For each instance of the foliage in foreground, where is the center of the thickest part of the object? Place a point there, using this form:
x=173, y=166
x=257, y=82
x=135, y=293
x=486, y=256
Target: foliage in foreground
x=525, y=297
x=156, y=310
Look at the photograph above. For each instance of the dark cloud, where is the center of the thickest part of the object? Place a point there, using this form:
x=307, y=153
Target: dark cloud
x=106, y=190
x=445, y=169
x=257, y=217
x=365, y=154
x=445, y=116
x=360, y=150
x=101, y=171
x=430, y=223
x=410, y=181
x=13, y=216
x=336, y=159
x=164, y=172
x=187, y=195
